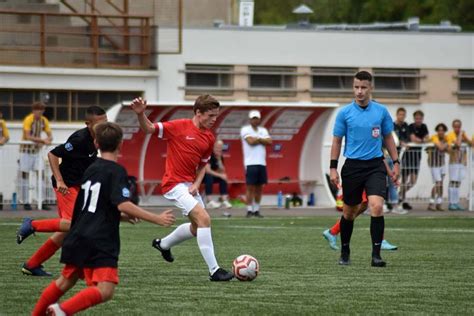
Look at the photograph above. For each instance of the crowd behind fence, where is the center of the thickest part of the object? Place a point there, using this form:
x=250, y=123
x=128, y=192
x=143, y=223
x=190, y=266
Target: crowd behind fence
x=426, y=162
x=40, y=191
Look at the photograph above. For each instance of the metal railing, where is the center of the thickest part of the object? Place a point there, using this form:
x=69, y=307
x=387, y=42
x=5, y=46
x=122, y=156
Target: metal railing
x=426, y=163
x=75, y=40
x=15, y=192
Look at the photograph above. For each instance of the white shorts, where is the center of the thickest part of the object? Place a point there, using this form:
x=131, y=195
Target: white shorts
x=29, y=162
x=438, y=173
x=457, y=172
x=182, y=199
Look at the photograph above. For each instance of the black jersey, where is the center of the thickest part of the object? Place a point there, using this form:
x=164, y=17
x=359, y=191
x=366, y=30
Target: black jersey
x=77, y=154
x=93, y=240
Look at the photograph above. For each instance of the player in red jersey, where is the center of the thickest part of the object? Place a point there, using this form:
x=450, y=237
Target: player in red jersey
x=190, y=144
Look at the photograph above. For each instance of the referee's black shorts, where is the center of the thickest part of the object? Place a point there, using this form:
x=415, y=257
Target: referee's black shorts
x=360, y=175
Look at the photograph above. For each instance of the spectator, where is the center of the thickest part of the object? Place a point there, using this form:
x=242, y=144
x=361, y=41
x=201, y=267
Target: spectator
x=419, y=134
x=33, y=125
x=215, y=173
x=254, y=140
x=400, y=128
x=392, y=196
x=457, y=163
x=4, y=134
x=437, y=164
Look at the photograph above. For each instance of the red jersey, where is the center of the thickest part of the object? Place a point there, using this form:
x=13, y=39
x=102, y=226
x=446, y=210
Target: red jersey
x=188, y=148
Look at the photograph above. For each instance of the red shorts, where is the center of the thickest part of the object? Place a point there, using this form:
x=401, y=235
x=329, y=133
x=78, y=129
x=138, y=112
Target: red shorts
x=92, y=276
x=364, y=197
x=66, y=202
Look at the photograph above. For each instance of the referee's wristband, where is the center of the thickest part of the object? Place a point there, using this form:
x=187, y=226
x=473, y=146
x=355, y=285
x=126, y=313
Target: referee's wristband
x=396, y=161
x=333, y=164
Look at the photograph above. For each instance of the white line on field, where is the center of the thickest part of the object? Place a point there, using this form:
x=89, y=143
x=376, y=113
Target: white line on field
x=321, y=228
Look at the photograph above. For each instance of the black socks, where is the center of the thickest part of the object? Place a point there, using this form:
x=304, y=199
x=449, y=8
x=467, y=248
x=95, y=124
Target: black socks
x=346, y=233
x=377, y=226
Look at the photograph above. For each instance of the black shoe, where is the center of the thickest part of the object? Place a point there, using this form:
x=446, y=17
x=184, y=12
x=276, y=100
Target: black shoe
x=38, y=271
x=389, y=206
x=27, y=207
x=344, y=260
x=45, y=207
x=221, y=275
x=406, y=206
x=257, y=214
x=166, y=254
x=378, y=262
x=249, y=214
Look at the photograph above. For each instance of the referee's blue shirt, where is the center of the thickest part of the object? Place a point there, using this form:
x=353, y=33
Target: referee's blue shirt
x=363, y=129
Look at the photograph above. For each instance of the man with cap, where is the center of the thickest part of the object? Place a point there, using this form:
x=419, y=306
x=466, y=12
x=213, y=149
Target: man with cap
x=254, y=140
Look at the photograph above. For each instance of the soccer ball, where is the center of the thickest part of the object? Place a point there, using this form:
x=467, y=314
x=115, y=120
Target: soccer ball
x=245, y=268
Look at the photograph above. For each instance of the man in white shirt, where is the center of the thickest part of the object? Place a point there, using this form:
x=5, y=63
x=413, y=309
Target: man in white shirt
x=254, y=140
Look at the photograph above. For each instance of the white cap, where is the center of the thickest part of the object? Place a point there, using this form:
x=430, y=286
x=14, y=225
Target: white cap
x=254, y=113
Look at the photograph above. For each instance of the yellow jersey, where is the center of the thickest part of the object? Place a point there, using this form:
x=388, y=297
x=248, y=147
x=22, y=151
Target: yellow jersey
x=436, y=158
x=457, y=155
x=34, y=128
x=3, y=129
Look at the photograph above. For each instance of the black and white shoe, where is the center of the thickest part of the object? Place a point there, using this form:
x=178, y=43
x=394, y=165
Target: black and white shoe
x=221, y=275
x=166, y=254
x=378, y=262
x=345, y=259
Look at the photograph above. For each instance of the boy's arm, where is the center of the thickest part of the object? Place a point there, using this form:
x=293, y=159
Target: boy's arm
x=166, y=218
x=138, y=105
x=200, y=173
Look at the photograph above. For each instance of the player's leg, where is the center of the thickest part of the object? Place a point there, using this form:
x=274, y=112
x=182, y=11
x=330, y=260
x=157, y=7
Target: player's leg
x=436, y=176
x=439, y=200
x=65, y=202
x=55, y=290
x=452, y=189
x=183, y=200
x=101, y=283
x=224, y=193
x=376, y=197
x=209, y=181
x=201, y=226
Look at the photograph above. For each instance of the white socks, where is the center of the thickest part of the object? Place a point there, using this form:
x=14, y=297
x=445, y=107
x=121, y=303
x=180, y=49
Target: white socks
x=453, y=195
x=204, y=240
x=24, y=189
x=249, y=208
x=256, y=207
x=180, y=234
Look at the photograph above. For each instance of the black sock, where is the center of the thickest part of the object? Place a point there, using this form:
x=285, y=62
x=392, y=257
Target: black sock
x=377, y=226
x=346, y=233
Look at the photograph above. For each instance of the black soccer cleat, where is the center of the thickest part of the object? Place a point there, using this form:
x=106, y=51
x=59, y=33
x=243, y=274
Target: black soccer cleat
x=25, y=230
x=221, y=275
x=258, y=215
x=378, y=262
x=345, y=259
x=166, y=254
x=38, y=271
x=249, y=214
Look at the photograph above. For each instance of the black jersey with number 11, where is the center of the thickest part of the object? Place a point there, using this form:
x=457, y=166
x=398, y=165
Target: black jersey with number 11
x=94, y=240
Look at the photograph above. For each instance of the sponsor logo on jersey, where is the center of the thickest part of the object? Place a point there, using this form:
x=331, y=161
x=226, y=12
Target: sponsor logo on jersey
x=190, y=138
x=68, y=146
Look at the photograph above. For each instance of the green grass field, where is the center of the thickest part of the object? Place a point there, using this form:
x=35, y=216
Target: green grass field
x=431, y=273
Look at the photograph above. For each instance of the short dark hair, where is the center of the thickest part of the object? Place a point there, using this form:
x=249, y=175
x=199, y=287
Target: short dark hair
x=108, y=135
x=38, y=106
x=95, y=110
x=205, y=103
x=418, y=112
x=441, y=125
x=401, y=110
x=456, y=121
x=363, y=75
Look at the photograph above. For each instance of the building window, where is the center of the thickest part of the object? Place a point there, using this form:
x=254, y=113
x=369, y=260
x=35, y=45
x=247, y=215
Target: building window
x=332, y=81
x=466, y=84
x=398, y=83
x=60, y=105
x=279, y=81
x=208, y=78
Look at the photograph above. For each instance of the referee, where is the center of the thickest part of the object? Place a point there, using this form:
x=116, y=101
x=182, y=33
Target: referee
x=364, y=124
